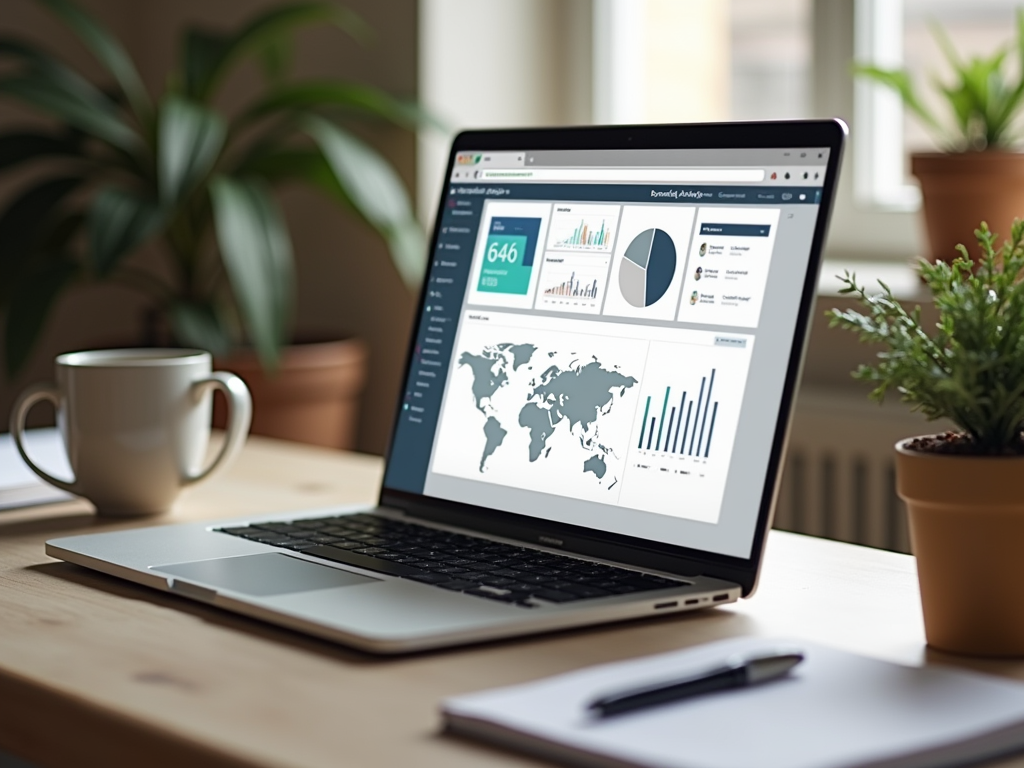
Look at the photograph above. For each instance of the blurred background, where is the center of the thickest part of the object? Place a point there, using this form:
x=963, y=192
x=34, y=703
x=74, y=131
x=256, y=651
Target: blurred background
x=491, y=63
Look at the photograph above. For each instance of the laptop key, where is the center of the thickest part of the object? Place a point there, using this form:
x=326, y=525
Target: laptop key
x=496, y=581
x=364, y=561
x=277, y=527
x=509, y=573
x=268, y=538
x=321, y=538
x=533, y=578
x=310, y=524
x=431, y=578
x=344, y=544
x=503, y=598
x=424, y=565
x=297, y=544
x=359, y=536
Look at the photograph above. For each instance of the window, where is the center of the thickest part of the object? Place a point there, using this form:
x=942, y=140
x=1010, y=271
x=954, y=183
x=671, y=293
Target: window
x=895, y=33
x=701, y=60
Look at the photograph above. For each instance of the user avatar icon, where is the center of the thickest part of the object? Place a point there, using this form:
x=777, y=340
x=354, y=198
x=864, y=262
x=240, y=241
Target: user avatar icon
x=693, y=297
x=703, y=248
x=700, y=272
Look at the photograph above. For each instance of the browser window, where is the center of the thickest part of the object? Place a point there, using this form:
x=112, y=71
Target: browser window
x=606, y=336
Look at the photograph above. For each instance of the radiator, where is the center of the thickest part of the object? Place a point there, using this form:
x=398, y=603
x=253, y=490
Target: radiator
x=839, y=477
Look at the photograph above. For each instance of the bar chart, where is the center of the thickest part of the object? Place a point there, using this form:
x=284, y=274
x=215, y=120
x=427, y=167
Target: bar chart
x=583, y=228
x=573, y=283
x=685, y=423
x=685, y=426
x=574, y=288
x=584, y=235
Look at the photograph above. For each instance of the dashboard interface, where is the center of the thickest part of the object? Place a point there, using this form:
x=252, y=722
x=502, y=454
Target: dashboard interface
x=605, y=337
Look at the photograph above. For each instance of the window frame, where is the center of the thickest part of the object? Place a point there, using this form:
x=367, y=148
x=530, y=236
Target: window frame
x=879, y=152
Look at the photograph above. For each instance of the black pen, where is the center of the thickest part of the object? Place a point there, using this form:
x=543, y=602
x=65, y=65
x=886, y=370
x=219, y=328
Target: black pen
x=736, y=672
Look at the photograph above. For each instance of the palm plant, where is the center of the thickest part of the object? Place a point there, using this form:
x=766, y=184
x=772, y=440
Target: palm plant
x=177, y=171
x=984, y=102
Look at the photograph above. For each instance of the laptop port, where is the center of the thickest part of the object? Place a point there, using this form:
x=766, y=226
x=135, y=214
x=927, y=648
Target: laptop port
x=720, y=598
x=692, y=601
x=672, y=604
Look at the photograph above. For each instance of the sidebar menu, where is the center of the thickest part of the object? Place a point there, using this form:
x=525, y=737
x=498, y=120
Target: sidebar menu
x=447, y=276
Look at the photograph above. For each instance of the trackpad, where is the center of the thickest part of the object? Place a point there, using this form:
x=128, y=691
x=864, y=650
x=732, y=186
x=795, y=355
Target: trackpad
x=263, y=575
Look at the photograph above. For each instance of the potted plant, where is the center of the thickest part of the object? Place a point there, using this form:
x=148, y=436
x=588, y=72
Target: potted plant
x=964, y=490
x=978, y=176
x=176, y=171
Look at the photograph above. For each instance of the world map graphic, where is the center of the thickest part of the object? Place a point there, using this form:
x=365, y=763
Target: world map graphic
x=571, y=393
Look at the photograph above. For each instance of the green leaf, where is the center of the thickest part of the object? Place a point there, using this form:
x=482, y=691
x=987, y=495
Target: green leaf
x=276, y=164
x=190, y=139
x=197, y=325
x=899, y=81
x=24, y=225
x=256, y=251
x=408, y=249
x=276, y=59
x=17, y=148
x=201, y=54
x=39, y=61
x=209, y=56
x=107, y=49
x=948, y=50
x=119, y=221
x=33, y=298
x=49, y=84
x=85, y=110
x=375, y=191
x=329, y=93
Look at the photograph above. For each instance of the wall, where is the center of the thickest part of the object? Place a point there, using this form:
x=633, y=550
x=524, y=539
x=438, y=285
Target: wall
x=346, y=281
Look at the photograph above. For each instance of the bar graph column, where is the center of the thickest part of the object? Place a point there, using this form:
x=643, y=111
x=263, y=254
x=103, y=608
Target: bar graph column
x=643, y=424
x=690, y=425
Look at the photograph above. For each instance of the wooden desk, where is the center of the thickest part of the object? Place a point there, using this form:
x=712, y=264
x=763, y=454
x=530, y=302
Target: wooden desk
x=96, y=671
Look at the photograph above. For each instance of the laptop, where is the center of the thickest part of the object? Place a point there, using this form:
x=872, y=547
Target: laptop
x=595, y=403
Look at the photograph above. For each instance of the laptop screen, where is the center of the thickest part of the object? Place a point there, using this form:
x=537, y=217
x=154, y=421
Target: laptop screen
x=605, y=337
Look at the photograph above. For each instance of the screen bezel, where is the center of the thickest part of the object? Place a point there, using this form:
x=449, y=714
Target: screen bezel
x=587, y=541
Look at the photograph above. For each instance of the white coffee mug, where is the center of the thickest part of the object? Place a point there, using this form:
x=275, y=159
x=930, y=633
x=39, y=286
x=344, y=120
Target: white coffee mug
x=136, y=424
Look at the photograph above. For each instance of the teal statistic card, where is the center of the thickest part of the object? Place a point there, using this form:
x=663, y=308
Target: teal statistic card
x=508, y=255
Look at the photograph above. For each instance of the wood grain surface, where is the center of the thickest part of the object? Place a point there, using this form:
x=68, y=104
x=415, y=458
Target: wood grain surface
x=96, y=671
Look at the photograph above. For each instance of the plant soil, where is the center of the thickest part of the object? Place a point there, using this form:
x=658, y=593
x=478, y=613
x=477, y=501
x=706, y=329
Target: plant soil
x=960, y=444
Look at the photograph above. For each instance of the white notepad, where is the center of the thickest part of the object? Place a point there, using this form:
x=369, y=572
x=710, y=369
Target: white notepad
x=836, y=709
x=19, y=485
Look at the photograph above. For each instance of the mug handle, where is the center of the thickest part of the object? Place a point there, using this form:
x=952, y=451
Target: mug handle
x=22, y=406
x=239, y=417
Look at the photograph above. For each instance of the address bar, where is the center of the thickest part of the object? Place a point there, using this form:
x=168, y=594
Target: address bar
x=646, y=175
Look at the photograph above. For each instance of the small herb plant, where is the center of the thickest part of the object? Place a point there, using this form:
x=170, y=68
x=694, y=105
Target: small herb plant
x=970, y=367
x=175, y=169
x=982, y=98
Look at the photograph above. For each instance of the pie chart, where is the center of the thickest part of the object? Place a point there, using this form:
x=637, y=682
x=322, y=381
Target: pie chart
x=647, y=268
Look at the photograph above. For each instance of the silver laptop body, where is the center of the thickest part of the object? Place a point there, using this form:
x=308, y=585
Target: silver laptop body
x=596, y=400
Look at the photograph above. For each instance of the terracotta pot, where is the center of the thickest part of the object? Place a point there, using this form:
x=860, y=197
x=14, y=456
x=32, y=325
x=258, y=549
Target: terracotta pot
x=312, y=398
x=960, y=191
x=967, y=532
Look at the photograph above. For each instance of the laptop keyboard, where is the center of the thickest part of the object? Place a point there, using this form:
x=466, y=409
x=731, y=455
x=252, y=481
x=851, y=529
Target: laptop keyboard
x=453, y=561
